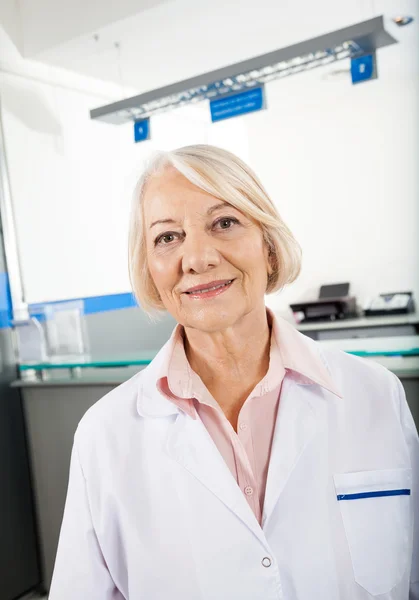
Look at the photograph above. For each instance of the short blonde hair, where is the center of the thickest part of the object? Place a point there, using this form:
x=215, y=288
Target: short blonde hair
x=224, y=176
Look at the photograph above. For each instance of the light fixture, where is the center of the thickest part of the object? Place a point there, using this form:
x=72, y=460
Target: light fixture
x=349, y=42
x=401, y=21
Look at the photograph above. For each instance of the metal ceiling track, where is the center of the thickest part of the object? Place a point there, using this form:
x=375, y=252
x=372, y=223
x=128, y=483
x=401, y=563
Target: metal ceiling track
x=349, y=42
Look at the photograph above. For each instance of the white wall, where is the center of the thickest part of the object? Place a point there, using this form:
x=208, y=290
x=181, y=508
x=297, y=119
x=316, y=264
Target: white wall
x=349, y=191
x=11, y=22
x=67, y=185
x=56, y=156
x=339, y=160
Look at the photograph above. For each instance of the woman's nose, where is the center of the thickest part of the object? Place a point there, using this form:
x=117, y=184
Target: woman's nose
x=199, y=253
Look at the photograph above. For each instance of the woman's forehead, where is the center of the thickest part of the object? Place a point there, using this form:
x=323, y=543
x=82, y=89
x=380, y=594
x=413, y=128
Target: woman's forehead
x=173, y=193
x=167, y=184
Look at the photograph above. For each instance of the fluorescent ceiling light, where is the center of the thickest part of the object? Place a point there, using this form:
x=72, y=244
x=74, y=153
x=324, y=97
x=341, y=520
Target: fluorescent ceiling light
x=349, y=42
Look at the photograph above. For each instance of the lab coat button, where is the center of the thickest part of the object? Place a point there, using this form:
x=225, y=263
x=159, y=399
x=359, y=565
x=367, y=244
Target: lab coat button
x=266, y=562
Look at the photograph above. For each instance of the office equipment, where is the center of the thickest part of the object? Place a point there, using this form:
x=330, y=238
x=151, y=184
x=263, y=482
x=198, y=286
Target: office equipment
x=333, y=303
x=397, y=303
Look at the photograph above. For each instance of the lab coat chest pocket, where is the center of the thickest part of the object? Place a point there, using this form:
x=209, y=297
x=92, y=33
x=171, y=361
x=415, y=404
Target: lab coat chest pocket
x=376, y=513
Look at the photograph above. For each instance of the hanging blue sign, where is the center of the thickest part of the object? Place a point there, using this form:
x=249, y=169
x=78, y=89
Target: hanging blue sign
x=142, y=130
x=238, y=104
x=363, y=68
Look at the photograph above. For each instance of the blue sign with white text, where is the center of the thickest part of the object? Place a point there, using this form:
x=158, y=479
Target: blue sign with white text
x=142, y=130
x=238, y=104
x=363, y=68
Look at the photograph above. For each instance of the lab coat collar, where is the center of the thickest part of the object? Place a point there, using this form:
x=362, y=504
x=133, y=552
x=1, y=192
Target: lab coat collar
x=302, y=356
x=310, y=368
x=150, y=402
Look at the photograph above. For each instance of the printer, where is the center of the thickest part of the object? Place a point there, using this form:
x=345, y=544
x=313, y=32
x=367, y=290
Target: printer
x=334, y=302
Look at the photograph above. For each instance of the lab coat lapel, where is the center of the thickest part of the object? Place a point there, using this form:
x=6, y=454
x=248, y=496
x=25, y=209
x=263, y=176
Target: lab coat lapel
x=294, y=428
x=190, y=444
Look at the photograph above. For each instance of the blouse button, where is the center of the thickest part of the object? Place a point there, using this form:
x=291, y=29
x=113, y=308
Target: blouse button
x=243, y=426
x=266, y=562
x=248, y=490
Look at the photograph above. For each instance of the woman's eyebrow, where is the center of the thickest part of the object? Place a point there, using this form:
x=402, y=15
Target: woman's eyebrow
x=161, y=221
x=217, y=206
x=209, y=212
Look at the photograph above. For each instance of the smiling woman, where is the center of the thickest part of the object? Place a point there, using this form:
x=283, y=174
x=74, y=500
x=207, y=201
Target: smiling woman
x=246, y=461
x=234, y=203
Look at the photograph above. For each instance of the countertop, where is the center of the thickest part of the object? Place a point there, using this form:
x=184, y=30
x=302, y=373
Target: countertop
x=400, y=354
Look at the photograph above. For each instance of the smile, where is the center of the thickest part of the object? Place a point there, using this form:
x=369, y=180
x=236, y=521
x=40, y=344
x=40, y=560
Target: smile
x=212, y=291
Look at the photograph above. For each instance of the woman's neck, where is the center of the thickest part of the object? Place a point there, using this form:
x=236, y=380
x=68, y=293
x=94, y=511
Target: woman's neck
x=234, y=359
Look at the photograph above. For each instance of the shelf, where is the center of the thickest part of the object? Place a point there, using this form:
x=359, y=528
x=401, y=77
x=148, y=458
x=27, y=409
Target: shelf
x=381, y=321
x=139, y=358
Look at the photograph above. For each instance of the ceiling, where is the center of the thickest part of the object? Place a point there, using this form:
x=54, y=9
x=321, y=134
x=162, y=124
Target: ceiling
x=145, y=44
x=182, y=38
x=45, y=24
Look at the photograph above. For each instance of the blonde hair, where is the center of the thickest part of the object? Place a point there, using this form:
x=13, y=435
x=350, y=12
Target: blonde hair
x=224, y=176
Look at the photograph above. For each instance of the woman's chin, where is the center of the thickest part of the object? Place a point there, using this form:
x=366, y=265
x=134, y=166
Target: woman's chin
x=212, y=318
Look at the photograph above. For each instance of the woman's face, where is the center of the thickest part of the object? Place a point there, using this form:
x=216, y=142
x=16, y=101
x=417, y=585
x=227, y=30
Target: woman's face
x=208, y=261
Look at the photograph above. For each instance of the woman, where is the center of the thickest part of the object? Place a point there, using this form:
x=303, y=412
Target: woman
x=245, y=462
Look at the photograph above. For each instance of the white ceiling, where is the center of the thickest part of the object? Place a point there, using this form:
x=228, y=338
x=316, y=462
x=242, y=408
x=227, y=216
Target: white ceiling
x=182, y=38
x=162, y=41
x=49, y=23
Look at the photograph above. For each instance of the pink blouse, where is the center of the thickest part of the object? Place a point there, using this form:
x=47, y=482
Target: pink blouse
x=246, y=452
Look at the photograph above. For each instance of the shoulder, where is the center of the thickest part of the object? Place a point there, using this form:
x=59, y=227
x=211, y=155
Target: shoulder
x=349, y=365
x=361, y=378
x=117, y=410
x=351, y=375
x=115, y=407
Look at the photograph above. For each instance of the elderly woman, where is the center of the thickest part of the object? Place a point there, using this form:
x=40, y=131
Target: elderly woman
x=246, y=462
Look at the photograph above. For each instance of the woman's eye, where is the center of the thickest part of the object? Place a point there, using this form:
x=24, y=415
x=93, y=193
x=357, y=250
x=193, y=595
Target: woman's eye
x=226, y=222
x=166, y=238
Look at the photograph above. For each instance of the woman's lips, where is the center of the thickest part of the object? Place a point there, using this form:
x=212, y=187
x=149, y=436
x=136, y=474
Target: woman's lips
x=211, y=291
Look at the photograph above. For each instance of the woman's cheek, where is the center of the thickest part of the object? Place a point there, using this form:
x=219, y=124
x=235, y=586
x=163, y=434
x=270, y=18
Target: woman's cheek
x=159, y=267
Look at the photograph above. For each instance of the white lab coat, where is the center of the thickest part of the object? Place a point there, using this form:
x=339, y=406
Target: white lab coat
x=153, y=512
